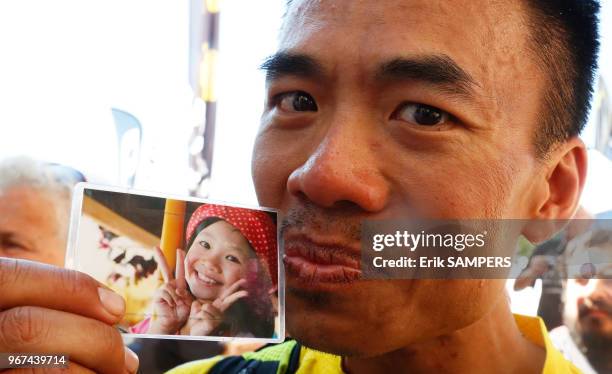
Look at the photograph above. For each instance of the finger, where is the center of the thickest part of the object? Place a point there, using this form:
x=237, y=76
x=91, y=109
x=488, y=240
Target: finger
x=73, y=368
x=195, y=307
x=163, y=265
x=181, y=284
x=273, y=290
x=205, y=316
x=165, y=296
x=88, y=342
x=233, y=288
x=131, y=361
x=176, y=299
x=212, y=311
x=35, y=284
x=228, y=301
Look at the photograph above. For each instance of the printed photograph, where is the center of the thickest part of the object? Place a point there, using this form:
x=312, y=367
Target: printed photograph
x=184, y=268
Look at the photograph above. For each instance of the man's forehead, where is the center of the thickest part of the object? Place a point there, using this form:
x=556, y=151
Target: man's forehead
x=400, y=26
x=489, y=40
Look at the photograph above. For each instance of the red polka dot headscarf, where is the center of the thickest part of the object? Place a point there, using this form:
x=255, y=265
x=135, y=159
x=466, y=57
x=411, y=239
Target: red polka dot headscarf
x=255, y=225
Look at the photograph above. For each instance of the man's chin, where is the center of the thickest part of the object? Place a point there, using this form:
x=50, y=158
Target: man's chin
x=320, y=321
x=596, y=340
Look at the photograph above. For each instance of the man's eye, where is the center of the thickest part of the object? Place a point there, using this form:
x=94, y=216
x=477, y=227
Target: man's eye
x=296, y=102
x=421, y=114
x=232, y=259
x=204, y=244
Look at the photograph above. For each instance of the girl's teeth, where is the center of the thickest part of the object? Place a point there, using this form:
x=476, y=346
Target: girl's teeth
x=207, y=280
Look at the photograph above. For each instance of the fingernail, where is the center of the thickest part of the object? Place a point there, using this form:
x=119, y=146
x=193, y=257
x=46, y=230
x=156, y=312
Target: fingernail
x=113, y=303
x=131, y=361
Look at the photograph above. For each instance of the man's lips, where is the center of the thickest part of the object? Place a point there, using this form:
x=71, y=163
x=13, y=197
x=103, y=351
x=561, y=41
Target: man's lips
x=593, y=313
x=323, y=261
x=594, y=309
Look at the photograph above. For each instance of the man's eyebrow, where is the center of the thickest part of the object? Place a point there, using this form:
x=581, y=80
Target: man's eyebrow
x=438, y=70
x=287, y=63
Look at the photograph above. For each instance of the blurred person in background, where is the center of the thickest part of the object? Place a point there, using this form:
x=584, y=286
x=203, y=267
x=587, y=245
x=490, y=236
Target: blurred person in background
x=586, y=337
x=35, y=202
x=547, y=262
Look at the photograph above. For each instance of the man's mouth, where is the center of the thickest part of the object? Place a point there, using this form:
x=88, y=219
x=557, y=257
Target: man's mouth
x=594, y=310
x=320, y=261
x=593, y=313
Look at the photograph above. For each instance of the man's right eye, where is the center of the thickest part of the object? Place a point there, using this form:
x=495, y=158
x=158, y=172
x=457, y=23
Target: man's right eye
x=297, y=101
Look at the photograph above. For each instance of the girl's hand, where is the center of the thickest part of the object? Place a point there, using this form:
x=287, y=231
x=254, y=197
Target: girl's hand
x=206, y=316
x=172, y=301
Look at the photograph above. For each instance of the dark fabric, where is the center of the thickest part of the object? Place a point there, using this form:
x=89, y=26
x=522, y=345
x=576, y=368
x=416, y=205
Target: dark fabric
x=239, y=365
x=294, y=359
x=160, y=355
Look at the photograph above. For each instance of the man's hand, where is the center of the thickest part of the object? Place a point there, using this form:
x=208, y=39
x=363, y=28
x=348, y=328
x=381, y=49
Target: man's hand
x=172, y=301
x=45, y=309
x=538, y=265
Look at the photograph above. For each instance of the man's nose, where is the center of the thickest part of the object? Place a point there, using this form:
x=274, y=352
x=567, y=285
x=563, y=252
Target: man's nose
x=343, y=168
x=601, y=294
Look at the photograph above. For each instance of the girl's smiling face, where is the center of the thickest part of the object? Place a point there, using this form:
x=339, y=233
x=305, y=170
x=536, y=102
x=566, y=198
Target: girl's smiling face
x=217, y=259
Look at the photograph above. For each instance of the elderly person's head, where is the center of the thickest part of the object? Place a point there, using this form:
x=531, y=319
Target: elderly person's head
x=35, y=209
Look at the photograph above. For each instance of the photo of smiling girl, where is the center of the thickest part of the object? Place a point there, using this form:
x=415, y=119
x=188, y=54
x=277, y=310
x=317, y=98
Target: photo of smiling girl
x=223, y=284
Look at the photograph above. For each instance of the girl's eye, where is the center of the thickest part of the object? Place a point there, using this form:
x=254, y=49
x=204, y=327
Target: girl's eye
x=421, y=114
x=233, y=259
x=205, y=244
x=297, y=101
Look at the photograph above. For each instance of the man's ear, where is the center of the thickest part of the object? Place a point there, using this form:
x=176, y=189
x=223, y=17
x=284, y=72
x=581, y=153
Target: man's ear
x=559, y=188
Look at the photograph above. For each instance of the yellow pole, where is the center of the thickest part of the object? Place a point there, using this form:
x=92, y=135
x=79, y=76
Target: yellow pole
x=172, y=229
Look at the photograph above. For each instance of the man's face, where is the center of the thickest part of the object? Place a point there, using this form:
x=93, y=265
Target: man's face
x=393, y=109
x=588, y=310
x=595, y=310
x=30, y=226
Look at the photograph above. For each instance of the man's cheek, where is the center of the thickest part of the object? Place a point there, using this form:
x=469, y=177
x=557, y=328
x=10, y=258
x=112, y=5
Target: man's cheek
x=270, y=169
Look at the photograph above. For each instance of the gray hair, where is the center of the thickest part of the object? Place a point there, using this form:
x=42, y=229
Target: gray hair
x=23, y=171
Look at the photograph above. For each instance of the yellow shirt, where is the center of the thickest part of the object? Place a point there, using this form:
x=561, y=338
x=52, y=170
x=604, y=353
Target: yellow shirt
x=311, y=361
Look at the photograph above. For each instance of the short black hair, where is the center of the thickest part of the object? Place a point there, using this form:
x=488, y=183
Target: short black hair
x=201, y=226
x=565, y=42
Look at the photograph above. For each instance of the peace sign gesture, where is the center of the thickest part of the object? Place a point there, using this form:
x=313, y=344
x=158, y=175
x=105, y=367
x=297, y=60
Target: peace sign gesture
x=206, y=316
x=172, y=301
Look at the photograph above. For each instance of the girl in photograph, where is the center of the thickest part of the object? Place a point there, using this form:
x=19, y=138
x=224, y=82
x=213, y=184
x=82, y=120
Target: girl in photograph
x=223, y=283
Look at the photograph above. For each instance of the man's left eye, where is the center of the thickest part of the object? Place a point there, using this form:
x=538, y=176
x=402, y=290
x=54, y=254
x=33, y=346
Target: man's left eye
x=420, y=114
x=297, y=101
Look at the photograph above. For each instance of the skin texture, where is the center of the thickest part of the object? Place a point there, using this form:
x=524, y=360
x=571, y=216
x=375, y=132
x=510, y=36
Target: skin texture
x=31, y=226
x=356, y=158
x=47, y=309
x=219, y=252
